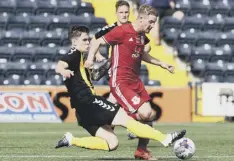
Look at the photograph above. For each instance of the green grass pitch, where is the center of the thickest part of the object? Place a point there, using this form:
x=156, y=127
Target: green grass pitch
x=35, y=142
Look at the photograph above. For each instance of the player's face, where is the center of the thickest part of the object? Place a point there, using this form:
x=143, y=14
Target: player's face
x=148, y=22
x=82, y=42
x=123, y=14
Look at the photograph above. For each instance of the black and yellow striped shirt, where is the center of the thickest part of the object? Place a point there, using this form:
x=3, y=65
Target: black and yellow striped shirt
x=81, y=83
x=105, y=30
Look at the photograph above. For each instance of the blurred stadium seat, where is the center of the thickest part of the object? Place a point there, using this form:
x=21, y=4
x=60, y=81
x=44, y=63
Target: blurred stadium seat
x=228, y=23
x=83, y=19
x=53, y=80
x=85, y=7
x=59, y=22
x=25, y=6
x=216, y=68
x=13, y=79
x=229, y=70
x=7, y=6
x=6, y=53
x=66, y=6
x=213, y=78
x=220, y=7
x=188, y=36
x=22, y=55
x=39, y=21
x=198, y=67
x=200, y=6
x=4, y=19
x=170, y=34
x=15, y=68
x=183, y=5
x=45, y=6
x=51, y=37
x=34, y=79
x=18, y=22
x=169, y=22
x=206, y=38
x=42, y=53
x=195, y=21
x=223, y=52
x=214, y=23
x=97, y=22
x=11, y=37
x=229, y=79
x=184, y=51
x=203, y=52
x=31, y=37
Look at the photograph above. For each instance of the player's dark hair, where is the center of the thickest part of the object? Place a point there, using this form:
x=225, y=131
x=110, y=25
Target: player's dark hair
x=76, y=31
x=121, y=3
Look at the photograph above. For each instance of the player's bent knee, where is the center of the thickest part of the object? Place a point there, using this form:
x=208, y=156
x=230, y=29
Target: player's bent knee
x=113, y=143
x=145, y=116
x=145, y=111
x=152, y=115
x=108, y=135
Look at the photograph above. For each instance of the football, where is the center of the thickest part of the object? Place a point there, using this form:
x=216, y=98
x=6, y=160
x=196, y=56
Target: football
x=184, y=148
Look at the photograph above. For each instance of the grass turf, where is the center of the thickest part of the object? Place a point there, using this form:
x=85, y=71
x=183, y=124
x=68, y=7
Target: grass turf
x=35, y=142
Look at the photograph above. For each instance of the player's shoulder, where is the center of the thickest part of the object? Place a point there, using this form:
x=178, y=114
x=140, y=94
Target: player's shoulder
x=113, y=25
x=109, y=27
x=72, y=51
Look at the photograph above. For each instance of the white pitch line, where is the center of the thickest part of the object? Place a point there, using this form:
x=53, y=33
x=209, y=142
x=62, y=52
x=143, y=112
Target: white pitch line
x=77, y=156
x=193, y=124
x=84, y=132
x=32, y=133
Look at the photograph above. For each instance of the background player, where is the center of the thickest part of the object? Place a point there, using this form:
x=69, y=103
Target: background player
x=122, y=14
x=94, y=113
x=129, y=50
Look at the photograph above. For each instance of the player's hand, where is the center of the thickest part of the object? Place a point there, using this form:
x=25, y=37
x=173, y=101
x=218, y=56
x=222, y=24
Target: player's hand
x=67, y=73
x=88, y=64
x=168, y=67
x=100, y=58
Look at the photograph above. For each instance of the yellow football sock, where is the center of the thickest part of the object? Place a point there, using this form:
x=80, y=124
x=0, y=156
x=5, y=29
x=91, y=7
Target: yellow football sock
x=145, y=131
x=90, y=143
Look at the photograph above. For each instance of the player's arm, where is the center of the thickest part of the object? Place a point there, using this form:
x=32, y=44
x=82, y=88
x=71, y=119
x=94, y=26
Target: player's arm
x=95, y=44
x=98, y=55
x=113, y=37
x=61, y=68
x=148, y=58
x=152, y=60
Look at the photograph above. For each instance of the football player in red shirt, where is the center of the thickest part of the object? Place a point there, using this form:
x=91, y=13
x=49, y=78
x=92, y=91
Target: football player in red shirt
x=129, y=48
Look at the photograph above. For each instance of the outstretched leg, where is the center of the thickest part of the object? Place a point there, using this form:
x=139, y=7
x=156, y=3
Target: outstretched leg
x=104, y=139
x=145, y=131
